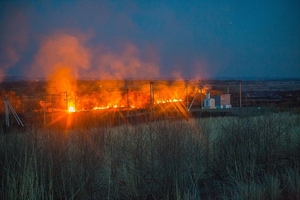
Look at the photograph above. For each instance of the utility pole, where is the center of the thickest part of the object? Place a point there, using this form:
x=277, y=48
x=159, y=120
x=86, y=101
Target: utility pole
x=6, y=111
x=127, y=99
x=227, y=88
x=44, y=108
x=201, y=87
x=75, y=104
x=52, y=104
x=151, y=99
x=151, y=94
x=240, y=94
x=187, y=97
x=66, y=100
x=75, y=101
x=8, y=107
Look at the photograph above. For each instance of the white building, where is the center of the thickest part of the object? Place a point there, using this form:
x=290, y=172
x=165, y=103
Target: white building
x=209, y=103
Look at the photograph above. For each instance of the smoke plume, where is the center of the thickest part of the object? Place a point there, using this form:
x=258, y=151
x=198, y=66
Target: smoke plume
x=61, y=50
x=13, y=39
x=123, y=65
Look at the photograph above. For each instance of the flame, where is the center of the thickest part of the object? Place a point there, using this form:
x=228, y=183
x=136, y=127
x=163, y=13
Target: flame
x=71, y=109
x=113, y=95
x=101, y=108
x=168, y=101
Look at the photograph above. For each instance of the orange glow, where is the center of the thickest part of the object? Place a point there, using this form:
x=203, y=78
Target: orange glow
x=168, y=101
x=64, y=57
x=115, y=94
x=100, y=108
x=71, y=109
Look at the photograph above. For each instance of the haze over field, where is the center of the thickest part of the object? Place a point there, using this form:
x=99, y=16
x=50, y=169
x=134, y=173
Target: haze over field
x=155, y=39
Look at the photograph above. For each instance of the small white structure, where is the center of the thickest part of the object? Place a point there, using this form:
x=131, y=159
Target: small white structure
x=209, y=103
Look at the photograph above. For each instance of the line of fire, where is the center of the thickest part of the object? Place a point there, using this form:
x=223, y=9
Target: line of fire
x=115, y=102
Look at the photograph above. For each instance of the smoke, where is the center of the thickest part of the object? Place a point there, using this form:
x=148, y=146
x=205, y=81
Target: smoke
x=177, y=75
x=61, y=80
x=13, y=38
x=60, y=59
x=70, y=50
x=64, y=58
x=201, y=70
x=123, y=65
x=1, y=75
x=61, y=50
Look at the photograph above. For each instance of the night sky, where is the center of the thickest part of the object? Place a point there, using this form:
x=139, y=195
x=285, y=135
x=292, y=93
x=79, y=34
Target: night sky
x=151, y=39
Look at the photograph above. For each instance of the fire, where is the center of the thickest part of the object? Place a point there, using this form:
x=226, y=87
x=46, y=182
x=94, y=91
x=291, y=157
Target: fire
x=168, y=101
x=117, y=95
x=101, y=108
x=71, y=109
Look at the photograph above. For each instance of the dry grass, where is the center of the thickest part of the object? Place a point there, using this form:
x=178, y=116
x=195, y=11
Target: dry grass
x=248, y=157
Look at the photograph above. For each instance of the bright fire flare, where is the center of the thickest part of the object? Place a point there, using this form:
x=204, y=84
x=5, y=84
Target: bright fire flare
x=100, y=108
x=112, y=96
x=71, y=109
x=168, y=101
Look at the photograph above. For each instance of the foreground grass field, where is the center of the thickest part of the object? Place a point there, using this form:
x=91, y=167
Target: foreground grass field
x=246, y=157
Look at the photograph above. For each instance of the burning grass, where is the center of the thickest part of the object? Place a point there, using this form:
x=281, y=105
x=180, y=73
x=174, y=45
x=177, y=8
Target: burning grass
x=218, y=158
x=106, y=94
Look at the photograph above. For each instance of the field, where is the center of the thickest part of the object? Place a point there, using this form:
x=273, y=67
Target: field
x=245, y=157
x=154, y=152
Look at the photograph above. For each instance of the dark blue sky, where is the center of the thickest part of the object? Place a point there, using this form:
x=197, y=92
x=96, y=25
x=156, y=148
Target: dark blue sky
x=153, y=39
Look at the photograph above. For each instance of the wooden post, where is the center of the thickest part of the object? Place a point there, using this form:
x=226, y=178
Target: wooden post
x=240, y=94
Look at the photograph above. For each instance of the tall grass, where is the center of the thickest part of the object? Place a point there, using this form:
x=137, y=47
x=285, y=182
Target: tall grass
x=247, y=157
